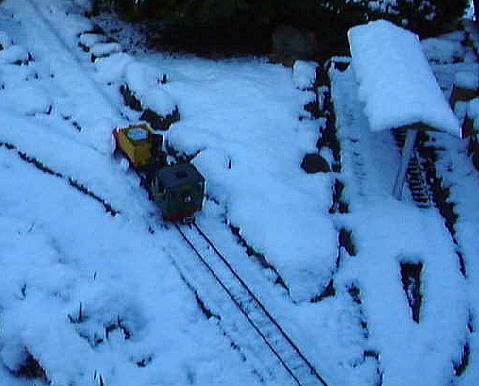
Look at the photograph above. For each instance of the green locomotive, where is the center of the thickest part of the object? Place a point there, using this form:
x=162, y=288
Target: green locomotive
x=178, y=190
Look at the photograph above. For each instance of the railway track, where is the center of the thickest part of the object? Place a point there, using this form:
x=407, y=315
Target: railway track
x=263, y=324
x=258, y=317
x=416, y=175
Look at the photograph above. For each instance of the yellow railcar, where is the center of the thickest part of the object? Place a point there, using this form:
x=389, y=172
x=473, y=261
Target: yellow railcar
x=139, y=143
x=178, y=190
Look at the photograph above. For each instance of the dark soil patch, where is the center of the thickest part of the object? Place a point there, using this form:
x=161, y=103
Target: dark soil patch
x=80, y=317
x=411, y=282
x=328, y=132
x=461, y=366
x=204, y=308
x=345, y=239
x=329, y=291
x=355, y=294
x=160, y=122
x=313, y=108
x=130, y=99
x=339, y=205
x=144, y=362
x=31, y=369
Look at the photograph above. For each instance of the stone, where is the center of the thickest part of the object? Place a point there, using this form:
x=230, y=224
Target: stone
x=314, y=163
x=289, y=41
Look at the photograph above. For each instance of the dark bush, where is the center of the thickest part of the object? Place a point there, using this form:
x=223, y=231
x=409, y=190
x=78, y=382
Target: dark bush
x=328, y=20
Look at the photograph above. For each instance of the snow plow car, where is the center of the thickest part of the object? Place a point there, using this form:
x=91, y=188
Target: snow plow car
x=178, y=189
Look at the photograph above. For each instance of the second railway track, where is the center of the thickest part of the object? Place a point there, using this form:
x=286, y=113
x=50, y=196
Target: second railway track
x=289, y=355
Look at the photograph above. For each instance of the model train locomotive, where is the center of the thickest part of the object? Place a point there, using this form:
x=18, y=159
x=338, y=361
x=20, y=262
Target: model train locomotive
x=178, y=189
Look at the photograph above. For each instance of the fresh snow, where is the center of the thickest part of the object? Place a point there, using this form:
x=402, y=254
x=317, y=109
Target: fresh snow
x=103, y=49
x=135, y=280
x=144, y=81
x=396, y=83
x=13, y=54
x=90, y=39
x=469, y=80
x=394, y=232
x=304, y=74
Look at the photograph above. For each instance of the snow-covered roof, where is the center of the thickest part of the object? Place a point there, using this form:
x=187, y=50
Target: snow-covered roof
x=396, y=82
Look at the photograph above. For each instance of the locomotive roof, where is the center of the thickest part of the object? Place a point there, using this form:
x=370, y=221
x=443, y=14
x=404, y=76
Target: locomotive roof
x=176, y=175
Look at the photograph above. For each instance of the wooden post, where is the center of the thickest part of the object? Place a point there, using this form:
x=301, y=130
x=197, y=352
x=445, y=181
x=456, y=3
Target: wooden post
x=406, y=156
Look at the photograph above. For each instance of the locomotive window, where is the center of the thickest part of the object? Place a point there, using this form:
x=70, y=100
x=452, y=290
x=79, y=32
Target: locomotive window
x=181, y=174
x=161, y=187
x=137, y=134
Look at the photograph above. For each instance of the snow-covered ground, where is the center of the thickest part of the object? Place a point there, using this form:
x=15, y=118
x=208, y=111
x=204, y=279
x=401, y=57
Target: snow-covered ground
x=96, y=284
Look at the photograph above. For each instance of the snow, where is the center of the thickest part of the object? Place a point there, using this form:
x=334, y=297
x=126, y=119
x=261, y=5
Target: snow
x=5, y=40
x=473, y=108
x=112, y=67
x=34, y=99
x=60, y=248
x=143, y=80
x=136, y=281
x=396, y=83
x=304, y=74
x=90, y=39
x=468, y=80
x=387, y=232
x=13, y=54
x=103, y=49
x=264, y=185
x=442, y=50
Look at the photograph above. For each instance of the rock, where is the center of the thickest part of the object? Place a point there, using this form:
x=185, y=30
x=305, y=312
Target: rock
x=314, y=163
x=130, y=99
x=159, y=122
x=292, y=42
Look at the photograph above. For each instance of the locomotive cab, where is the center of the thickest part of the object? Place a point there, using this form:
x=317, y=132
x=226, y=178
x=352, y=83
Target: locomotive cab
x=178, y=190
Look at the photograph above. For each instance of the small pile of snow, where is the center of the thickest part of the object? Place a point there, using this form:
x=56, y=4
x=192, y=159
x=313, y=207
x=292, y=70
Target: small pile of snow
x=304, y=74
x=113, y=67
x=13, y=54
x=441, y=50
x=143, y=82
x=90, y=39
x=469, y=80
x=104, y=49
x=396, y=81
